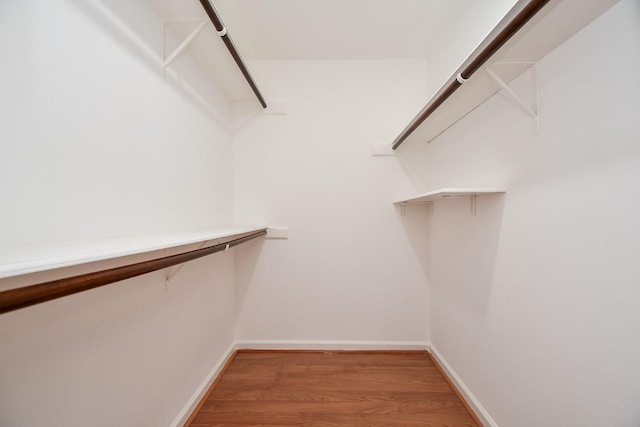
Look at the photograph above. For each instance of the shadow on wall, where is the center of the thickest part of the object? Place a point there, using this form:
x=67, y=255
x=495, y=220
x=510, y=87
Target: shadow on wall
x=246, y=261
x=413, y=158
x=414, y=219
x=137, y=29
x=463, y=249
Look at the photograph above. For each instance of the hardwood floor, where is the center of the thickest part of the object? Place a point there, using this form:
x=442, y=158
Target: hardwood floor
x=286, y=388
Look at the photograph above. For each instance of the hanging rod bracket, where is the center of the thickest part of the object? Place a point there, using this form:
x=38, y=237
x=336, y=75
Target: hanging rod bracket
x=460, y=79
x=532, y=110
x=182, y=46
x=222, y=32
x=172, y=271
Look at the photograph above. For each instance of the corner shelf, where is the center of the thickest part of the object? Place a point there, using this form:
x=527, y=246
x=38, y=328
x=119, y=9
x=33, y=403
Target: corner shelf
x=553, y=25
x=449, y=193
x=19, y=260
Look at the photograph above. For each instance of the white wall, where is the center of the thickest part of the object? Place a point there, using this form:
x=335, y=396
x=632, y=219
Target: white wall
x=468, y=24
x=348, y=271
x=95, y=144
x=535, y=302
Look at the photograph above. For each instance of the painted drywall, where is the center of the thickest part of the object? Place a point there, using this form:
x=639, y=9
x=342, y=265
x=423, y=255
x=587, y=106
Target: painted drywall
x=535, y=302
x=94, y=143
x=360, y=29
x=468, y=24
x=348, y=271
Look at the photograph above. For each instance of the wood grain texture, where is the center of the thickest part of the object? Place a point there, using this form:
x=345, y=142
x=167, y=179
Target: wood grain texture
x=455, y=389
x=332, y=389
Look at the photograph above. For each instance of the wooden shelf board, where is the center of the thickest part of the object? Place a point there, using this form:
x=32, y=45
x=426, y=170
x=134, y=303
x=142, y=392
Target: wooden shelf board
x=19, y=260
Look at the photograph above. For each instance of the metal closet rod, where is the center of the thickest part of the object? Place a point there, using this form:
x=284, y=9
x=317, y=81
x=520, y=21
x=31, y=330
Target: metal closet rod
x=528, y=12
x=226, y=38
x=14, y=299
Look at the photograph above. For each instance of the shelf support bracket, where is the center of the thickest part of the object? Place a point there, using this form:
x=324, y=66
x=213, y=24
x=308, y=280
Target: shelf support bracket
x=530, y=110
x=173, y=55
x=171, y=272
x=428, y=205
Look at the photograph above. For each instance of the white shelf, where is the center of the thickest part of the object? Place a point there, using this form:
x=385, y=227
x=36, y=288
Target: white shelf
x=449, y=193
x=207, y=46
x=552, y=26
x=19, y=260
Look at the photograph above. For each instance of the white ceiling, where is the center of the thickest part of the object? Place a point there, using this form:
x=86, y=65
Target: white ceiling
x=333, y=29
x=324, y=29
x=311, y=29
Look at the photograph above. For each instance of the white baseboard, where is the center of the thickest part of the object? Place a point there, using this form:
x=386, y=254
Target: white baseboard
x=191, y=405
x=188, y=409
x=479, y=410
x=186, y=412
x=330, y=345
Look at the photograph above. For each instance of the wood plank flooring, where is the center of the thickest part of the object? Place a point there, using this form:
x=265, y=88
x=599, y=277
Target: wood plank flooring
x=286, y=388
